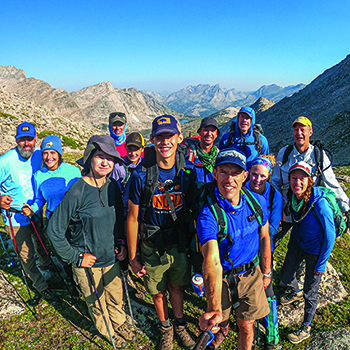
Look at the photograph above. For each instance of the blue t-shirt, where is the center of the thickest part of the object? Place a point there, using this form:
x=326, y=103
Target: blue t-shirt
x=245, y=233
x=51, y=186
x=16, y=176
x=159, y=213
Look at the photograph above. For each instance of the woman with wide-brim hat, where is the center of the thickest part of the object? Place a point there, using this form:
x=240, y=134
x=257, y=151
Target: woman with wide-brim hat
x=312, y=239
x=87, y=230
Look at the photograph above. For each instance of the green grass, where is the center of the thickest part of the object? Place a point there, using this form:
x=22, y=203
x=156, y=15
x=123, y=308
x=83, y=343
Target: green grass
x=66, y=141
x=7, y=115
x=61, y=327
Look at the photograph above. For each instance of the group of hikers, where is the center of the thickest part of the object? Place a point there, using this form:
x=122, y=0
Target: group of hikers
x=172, y=208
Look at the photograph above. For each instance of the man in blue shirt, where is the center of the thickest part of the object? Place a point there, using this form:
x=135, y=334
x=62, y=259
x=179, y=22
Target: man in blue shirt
x=244, y=137
x=16, y=175
x=231, y=265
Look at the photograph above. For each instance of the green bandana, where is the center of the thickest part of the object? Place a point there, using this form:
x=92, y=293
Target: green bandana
x=208, y=159
x=295, y=205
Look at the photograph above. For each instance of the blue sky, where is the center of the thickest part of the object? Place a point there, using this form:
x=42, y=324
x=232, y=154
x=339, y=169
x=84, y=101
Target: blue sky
x=168, y=45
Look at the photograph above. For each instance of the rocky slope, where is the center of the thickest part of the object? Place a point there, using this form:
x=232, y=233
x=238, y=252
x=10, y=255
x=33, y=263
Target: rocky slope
x=204, y=99
x=326, y=102
x=15, y=109
x=90, y=105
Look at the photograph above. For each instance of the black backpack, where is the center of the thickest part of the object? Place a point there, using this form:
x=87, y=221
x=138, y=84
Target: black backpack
x=257, y=130
x=319, y=157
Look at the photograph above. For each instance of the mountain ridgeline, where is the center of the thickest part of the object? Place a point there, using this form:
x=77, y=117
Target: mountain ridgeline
x=203, y=99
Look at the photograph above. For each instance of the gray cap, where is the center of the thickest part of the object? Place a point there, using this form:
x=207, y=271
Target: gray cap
x=209, y=121
x=103, y=142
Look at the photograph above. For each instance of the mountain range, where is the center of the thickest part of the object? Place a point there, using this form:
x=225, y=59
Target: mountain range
x=91, y=105
x=77, y=115
x=203, y=99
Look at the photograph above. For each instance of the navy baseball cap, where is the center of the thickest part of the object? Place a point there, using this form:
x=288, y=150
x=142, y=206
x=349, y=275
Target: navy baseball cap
x=25, y=129
x=165, y=123
x=231, y=156
x=209, y=121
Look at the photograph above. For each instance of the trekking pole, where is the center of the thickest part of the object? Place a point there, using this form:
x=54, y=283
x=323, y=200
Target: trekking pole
x=204, y=340
x=20, y=261
x=20, y=296
x=49, y=256
x=92, y=281
x=127, y=298
x=8, y=255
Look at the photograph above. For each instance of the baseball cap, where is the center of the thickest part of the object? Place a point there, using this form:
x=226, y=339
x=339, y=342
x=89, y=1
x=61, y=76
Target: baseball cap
x=300, y=166
x=209, y=121
x=105, y=143
x=231, y=156
x=302, y=120
x=52, y=142
x=135, y=139
x=25, y=129
x=165, y=123
x=247, y=110
x=117, y=117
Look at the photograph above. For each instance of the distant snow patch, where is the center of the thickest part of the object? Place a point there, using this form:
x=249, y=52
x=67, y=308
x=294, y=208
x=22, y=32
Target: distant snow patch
x=135, y=118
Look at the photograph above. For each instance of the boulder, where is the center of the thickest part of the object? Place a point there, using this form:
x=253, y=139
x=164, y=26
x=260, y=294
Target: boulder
x=331, y=291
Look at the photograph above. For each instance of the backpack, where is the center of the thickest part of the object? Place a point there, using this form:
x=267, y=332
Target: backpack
x=340, y=224
x=319, y=157
x=191, y=143
x=207, y=195
x=257, y=130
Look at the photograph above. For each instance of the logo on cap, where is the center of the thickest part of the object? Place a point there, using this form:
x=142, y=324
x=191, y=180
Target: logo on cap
x=163, y=121
x=25, y=128
x=49, y=144
x=232, y=154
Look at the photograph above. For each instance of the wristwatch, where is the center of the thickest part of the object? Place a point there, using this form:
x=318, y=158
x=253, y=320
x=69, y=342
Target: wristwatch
x=268, y=275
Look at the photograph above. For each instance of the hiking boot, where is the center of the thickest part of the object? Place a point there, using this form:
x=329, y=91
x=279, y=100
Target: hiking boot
x=291, y=296
x=301, y=334
x=49, y=295
x=126, y=332
x=220, y=336
x=167, y=336
x=272, y=346
x=186, y=339
x=119, y=342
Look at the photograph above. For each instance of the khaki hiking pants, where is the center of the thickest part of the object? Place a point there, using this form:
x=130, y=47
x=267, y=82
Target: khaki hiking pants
x=110, y=291
x=28, y=244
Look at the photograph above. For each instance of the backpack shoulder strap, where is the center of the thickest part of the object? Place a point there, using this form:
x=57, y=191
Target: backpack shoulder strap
x=271, y=196
x=254, y=206
x=286, y=154
x=152, y=174
x=257, y=139
x=219, y=214
x=231, y=135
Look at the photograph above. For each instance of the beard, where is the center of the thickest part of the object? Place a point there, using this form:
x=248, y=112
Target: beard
x=25, y=153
